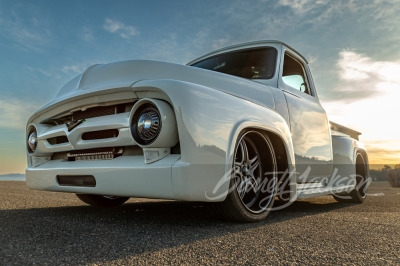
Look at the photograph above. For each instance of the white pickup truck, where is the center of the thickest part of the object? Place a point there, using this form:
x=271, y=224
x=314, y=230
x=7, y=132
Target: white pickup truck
x=239, y=126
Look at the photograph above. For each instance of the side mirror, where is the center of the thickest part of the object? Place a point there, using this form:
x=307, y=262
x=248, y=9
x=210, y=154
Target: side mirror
x=303, y=87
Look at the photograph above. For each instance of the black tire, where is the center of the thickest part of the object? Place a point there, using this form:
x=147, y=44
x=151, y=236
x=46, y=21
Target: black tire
x=102, y=201
x=253, y=203
x=359, y=194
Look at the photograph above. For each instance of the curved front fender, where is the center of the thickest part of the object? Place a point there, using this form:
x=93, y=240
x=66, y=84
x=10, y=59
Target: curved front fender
x=209, y=122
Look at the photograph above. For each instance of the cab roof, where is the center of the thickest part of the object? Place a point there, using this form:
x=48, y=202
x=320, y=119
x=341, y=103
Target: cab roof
x=244, y=45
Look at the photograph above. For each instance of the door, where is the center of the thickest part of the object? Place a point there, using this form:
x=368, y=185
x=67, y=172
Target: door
x=308, y=121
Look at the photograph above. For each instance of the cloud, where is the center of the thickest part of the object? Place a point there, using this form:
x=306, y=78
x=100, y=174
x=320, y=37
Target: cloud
x=363, y=77
x=383, y=153
x=14, y=113
x=302, y=6
x=28, y=33
x=375, y=111
x=313, y=11
x=360, y=77
x=221, y=42
x=79, y=67
x=76, y=68
x=87, y=34
x=353, y=66
x=358, y=67
x=117, y=27
x=37, y=70
x=198, y=43
x=379, y=15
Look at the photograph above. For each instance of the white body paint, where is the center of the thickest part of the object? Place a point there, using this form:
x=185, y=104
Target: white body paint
x=210, y=109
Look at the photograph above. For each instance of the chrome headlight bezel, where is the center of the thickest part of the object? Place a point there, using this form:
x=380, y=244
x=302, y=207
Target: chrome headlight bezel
x=31, y=139
x=146, y=124
x=167, y=134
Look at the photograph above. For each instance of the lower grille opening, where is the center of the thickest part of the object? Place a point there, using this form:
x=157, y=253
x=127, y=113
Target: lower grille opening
x=57, y=140
x=95, y=154
x=101, y=134
x=76, y=180
x=126, y=151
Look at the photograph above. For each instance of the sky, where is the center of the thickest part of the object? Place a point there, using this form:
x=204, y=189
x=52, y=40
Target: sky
x=353, y=48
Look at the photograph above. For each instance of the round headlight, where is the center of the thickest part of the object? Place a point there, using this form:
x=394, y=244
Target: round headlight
x=32, y=141
x=147, y=124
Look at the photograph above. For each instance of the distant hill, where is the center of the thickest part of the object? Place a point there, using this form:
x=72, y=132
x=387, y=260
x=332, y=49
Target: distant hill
x=12, y=177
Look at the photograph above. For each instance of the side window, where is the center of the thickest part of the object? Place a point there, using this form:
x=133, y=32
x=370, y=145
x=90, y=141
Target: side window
x=294, y=74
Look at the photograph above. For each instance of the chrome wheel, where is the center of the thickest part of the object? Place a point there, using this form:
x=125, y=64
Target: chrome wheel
x=254, y=179
x=252, y=186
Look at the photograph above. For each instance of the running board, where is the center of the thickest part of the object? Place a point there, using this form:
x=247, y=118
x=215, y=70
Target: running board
x=305, y=191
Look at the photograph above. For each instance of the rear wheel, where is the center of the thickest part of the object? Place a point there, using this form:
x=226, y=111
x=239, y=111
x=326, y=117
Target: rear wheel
x=358, y=194
x=253, y=181
x=102, y=201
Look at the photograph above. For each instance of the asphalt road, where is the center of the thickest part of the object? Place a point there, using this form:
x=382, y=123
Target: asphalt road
x=56, y=228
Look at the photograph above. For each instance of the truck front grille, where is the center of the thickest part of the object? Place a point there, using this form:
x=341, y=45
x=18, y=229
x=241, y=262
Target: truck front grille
x=89, y=112
x=98, y=111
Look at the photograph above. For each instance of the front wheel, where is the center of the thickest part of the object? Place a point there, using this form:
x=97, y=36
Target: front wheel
x=253, y=181
x=102, y=201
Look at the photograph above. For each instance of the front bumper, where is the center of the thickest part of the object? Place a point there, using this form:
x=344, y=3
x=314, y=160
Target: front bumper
x=122, y=176
x=130, y=176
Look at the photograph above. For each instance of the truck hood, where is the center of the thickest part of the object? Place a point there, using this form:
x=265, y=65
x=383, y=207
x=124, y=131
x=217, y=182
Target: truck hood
x=109, y=77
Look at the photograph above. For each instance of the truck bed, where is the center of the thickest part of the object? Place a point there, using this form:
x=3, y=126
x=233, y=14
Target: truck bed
x=336, y=128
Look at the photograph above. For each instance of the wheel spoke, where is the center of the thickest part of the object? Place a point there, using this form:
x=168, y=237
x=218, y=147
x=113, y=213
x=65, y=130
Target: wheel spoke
x=254, y=183
x=237, y=169
x=238, y=165
x=242, y=187
x=240, y=149
x=254, y=163
x=244, y=150
x=238, y=180
x=252, y=187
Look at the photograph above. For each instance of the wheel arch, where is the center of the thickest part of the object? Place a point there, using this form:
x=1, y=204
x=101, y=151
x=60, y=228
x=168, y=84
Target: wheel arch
x=282, y=145
x=189, y=100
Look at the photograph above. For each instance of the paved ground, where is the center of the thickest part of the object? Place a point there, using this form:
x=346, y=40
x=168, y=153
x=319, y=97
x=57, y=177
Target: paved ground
x=48, y=228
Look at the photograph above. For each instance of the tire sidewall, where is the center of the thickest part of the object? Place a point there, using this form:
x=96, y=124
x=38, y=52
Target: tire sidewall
x=234, y=197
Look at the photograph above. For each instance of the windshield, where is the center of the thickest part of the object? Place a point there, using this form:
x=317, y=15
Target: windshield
x=256, y=63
